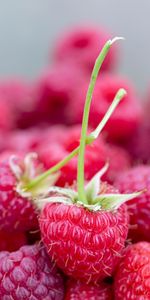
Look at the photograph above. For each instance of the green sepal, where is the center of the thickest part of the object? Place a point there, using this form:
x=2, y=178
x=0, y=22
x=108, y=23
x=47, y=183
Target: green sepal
x=114, y=201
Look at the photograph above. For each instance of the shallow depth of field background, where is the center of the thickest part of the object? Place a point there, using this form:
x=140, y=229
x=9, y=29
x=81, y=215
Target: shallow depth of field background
x=29, y=27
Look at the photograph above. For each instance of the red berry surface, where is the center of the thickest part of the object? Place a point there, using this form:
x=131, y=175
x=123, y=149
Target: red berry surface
x=77, y=290
x=82, y=45
x=137, y=179
x=12, y=242
x=29, y=274
x=127, y=115
x=85, y=244
x=16, y=212
x=132, y=279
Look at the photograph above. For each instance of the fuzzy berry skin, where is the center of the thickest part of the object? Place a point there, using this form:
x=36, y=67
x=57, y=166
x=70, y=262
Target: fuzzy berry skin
x=137, y=179
x=132, y=279
x=29, y=274
x=12, y=242
x=82, y=45
x=96, y=156
x=55, y=89
x=85, y=244
x=127, y=115
x=77, y=290
x=16, y=212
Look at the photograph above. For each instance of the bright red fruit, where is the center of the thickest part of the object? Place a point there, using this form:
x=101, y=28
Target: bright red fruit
x=85, y=244
x=127, y=115
x=82, y=45
x=16, y=212
x=77, y=290
x=132, y=280
x=137, y=179
x=12, y=242
x=51, y=152
x=29, y=274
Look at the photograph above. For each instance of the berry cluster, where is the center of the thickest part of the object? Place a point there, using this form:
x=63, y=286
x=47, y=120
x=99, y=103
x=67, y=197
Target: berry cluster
x=75, y=178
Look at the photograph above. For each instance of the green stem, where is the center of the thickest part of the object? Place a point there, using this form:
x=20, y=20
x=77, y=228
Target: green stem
x=95, y=72
x=89, y=139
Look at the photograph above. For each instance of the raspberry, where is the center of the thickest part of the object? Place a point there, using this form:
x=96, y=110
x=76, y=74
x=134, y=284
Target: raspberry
x=123, y=121
x=16, y=212
x=9, y=242
x=54, y=91
x=137, y=179
x=132, y=280
x=82, y=45
x=29, y=274
x=84, y=230
x=18, y=95
x=77, y=290
x=85, y=244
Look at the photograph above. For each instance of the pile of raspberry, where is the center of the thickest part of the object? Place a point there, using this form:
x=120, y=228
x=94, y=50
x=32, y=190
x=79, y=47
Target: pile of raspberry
x=66, y=251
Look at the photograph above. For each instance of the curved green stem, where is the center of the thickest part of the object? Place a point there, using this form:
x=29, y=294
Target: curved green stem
x=95, y=72
x=87, y=139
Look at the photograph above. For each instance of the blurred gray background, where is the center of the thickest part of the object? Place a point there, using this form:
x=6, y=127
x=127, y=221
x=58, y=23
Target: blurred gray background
x=28, y=29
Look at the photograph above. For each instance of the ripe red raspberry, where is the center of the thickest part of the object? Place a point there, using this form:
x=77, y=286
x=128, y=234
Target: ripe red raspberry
x=127, y=115
x=19, y=97
x=137, y=179
x=82, y=45
x=77, y=290
x=132, y=280
x=96, y=156
x=16, y=212
x=12, y=242
x=55, y=89
x=85, y=244
x=29, y=274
